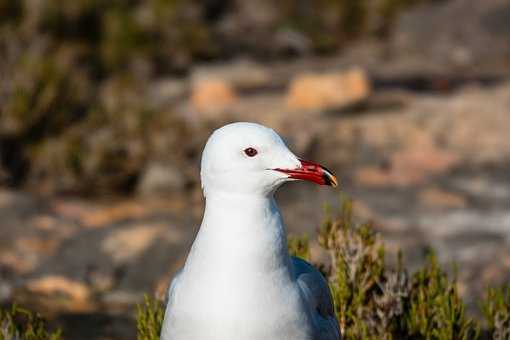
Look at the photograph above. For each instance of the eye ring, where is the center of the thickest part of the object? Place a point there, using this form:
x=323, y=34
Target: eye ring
x=250, y=152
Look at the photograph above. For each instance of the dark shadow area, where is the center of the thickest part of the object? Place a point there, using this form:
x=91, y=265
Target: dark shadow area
x=435, y=84
x=97, y=325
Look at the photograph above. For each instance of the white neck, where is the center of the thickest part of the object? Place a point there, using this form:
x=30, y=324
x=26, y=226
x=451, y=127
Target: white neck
x=241, y=233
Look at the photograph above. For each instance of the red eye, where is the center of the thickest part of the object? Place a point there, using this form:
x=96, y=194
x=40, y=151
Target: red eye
x=250, y=152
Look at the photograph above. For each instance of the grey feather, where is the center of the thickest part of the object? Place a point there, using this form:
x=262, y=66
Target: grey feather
x=316, y=293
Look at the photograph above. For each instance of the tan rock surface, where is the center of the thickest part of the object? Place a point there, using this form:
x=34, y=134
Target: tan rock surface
x=125, y=244
x=53, y=284
x=312, y=91
x=438, y=198
x=212, y=96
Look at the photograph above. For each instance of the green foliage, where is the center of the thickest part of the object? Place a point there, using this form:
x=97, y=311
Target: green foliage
x=375, y=301
x=19, y=323
x=299, y=246
x=77, y=101
x=357, y=277
x=496, y=309
x=435, y=308
x=149, y=318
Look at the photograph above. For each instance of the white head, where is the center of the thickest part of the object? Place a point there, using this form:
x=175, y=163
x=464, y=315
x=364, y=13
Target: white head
x=248, y=158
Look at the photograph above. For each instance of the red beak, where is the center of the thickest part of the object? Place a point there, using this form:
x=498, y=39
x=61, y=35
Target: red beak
x=311, y=172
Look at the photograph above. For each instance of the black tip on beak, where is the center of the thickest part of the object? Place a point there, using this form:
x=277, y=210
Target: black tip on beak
x=329, y=178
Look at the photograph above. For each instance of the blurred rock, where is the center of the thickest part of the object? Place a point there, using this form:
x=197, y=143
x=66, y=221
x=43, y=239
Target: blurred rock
x=98, y=215
x=160, y=178
x=413, y=163
x=123, y=298
x=212, y=96
x=19, y=263
x=438, y=198
x=100, y=281
x=242, y=74
x=329, y=90
x=166, y=92
x=292, y=42
x=478, y=123
x=16, y=202
x=427, y=137
x=410, y=166
x=5, y=291
x=125, y=244
x=428, y=32
x=44, y=223
x=372, y=176
x=59, y=285
x=37, y=245
x=483, y=187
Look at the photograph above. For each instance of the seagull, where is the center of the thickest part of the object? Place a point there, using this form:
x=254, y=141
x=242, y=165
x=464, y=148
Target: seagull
x=239, y=281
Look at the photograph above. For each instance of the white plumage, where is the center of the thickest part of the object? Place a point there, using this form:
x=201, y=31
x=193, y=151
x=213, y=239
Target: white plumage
x=239, y=282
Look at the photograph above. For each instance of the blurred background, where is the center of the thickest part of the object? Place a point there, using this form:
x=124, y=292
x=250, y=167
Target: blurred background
x=105, y=106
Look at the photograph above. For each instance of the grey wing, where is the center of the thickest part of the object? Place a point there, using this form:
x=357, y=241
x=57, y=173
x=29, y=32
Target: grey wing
x=171, y=290
x=316, y=292
x=165, y=329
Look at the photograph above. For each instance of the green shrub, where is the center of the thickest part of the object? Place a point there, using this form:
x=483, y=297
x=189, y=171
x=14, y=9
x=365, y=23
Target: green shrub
x=18, y=323
x=436, y=310
x=375, y=301
x=149, y=318
x=299, y=246
x=496, y=309
x=77, y=107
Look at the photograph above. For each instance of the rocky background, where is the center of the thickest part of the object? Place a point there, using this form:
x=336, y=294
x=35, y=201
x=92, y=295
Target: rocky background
x=106, y=105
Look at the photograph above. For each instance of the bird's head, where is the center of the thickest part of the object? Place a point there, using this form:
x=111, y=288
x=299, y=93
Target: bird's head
x=251, y=158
